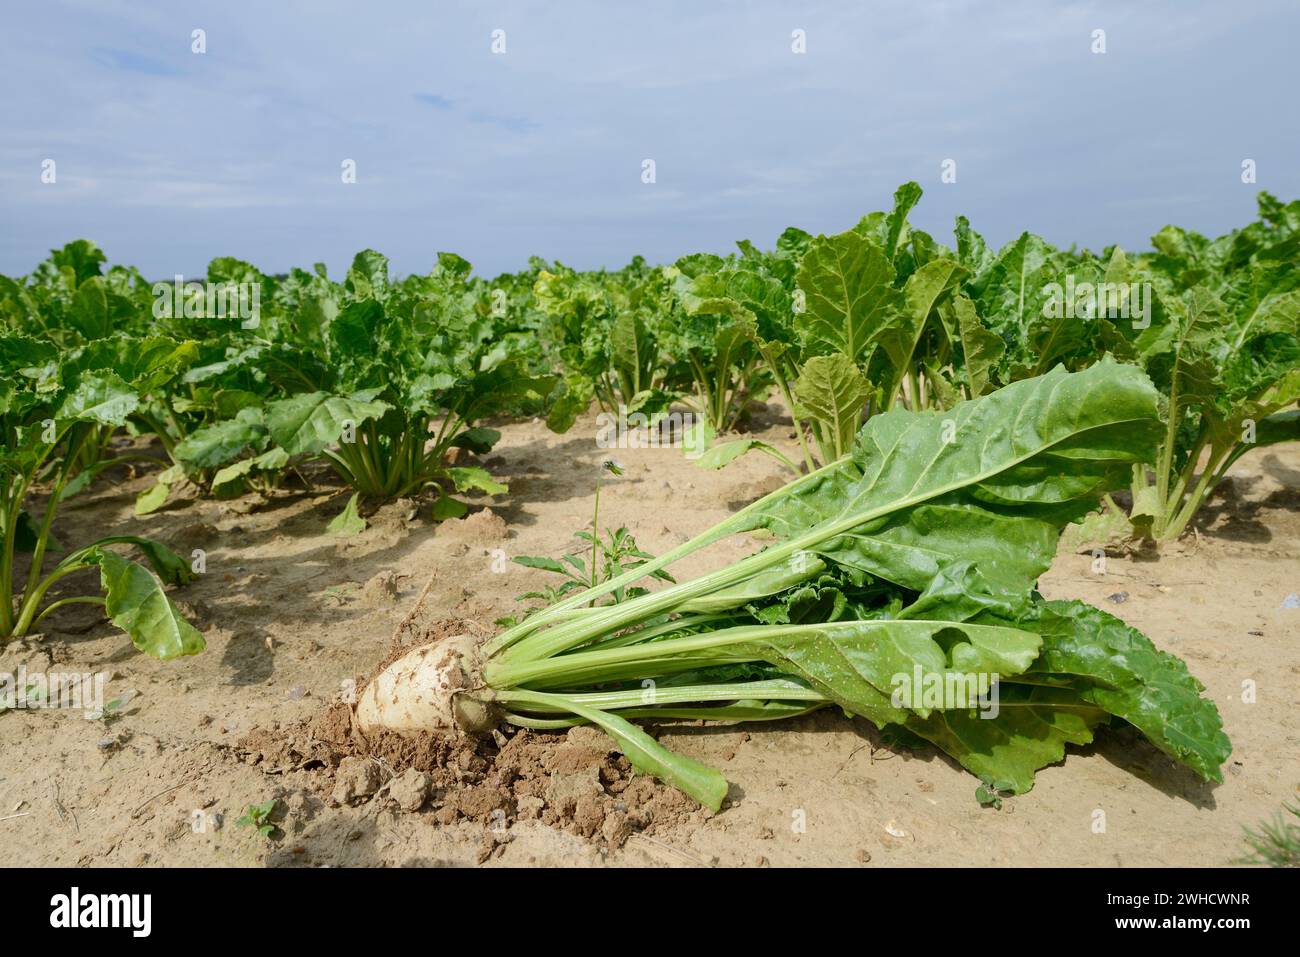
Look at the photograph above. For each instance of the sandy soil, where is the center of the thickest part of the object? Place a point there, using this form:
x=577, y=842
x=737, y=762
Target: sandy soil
x=294, y=618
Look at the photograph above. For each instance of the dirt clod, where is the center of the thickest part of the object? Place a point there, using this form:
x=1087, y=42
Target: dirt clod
x=380, y=591
x=483, y=528
x=410, y=789
x=573, y=781
x=356, y=778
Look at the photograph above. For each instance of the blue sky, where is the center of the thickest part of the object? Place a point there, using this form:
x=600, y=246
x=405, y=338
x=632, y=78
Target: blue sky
x=168, y=158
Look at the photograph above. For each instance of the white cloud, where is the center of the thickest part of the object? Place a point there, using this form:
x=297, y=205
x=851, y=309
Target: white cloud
x=167, y=156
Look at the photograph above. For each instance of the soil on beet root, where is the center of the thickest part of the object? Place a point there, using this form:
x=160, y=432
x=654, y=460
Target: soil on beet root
x=574, y=781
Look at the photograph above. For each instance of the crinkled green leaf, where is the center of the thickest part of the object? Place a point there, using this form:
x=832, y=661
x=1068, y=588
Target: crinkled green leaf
x=467, y=479
x=314, y=421
x=848, y=283
x=927, y=492
x=446, y=508
x=1117, y=668
x=722, y=455
x=99, y=397
x=136, y=603
x=348, y=521
x=477, y=440
x=832, y=390
x=216, y=444
x=861, y=664
x=155, y=496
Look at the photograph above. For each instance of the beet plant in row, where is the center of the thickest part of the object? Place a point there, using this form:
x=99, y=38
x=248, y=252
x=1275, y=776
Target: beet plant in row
x=882, y=315
x=54, y=405
x=384, y=384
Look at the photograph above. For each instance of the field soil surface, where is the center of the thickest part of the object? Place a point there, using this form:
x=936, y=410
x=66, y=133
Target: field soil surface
x=296, y=619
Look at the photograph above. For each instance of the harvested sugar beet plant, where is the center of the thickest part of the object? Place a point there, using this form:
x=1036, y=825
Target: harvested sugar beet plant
x=911, y=560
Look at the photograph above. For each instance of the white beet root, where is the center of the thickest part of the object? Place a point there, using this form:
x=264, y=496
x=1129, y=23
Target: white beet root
x=426, y=690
